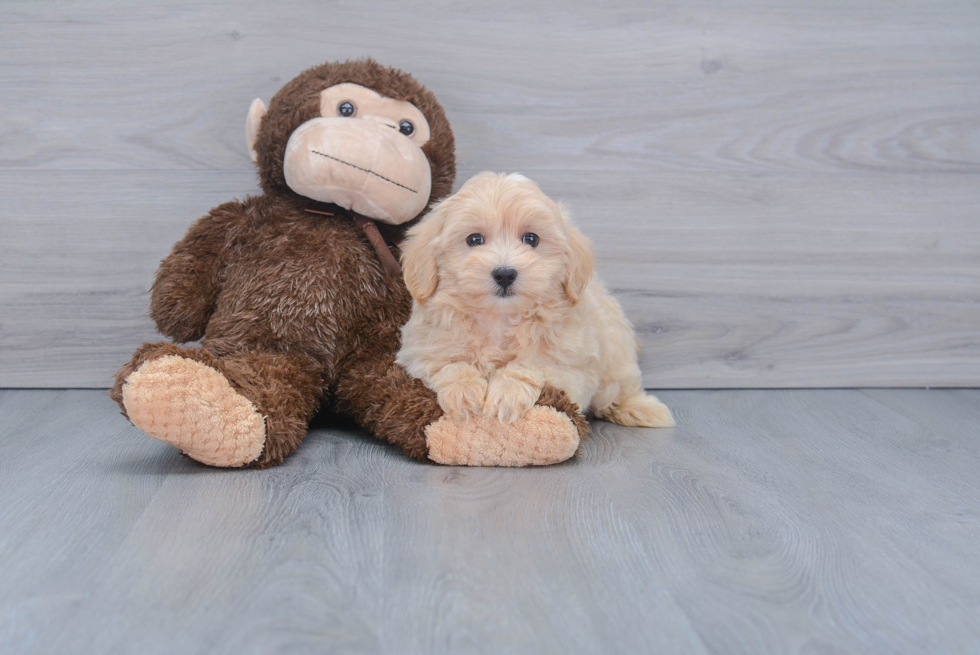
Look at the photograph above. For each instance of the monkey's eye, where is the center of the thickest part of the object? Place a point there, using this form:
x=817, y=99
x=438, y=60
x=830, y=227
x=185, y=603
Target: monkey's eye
x=474, y=240
x=406, y=128
x=346, y=109
x=531, y=239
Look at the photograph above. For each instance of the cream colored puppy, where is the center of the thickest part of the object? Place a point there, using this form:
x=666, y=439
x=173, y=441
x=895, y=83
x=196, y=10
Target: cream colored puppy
x=505, y=300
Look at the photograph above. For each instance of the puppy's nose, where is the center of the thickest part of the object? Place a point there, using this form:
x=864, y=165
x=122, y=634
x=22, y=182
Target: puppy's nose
x=504, y=277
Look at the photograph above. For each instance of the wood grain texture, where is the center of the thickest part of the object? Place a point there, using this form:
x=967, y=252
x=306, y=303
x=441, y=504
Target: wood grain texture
x=783, y=194
x=762, y=86
x=798, y=521
x=724, y=287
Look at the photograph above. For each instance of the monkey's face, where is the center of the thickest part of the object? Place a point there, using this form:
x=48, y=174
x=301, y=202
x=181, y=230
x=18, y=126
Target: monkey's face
x=364, y=152
x=382, y=156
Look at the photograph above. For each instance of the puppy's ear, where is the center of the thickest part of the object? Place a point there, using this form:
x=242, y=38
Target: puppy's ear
x=419, y=265
x=581, y=261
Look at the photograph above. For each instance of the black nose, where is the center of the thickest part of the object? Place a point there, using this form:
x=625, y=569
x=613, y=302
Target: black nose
x=504, y=277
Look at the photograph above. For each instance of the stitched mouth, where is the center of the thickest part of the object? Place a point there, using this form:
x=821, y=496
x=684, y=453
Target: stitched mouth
x=366, y=170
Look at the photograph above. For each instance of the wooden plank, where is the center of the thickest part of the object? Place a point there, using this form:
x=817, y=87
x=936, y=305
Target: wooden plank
x=781, y=195
x=732, y=280
x=77, y=257
x=113, y=542
x=520, y=561
x=699, y=86
x=783, y=521
x=766, y=522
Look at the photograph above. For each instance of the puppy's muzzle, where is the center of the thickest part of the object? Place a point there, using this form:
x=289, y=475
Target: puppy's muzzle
x=504, y=277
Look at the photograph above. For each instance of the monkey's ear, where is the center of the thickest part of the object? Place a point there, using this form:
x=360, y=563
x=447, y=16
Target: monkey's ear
x=255, y=113
x=419, y=265
x=581, y=261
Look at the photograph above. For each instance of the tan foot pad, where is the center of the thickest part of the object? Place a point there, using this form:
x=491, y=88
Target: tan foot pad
x=193, y=407
x=543, y=436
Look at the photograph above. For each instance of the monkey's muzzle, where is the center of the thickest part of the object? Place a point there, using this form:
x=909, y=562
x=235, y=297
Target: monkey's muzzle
x=361, y=165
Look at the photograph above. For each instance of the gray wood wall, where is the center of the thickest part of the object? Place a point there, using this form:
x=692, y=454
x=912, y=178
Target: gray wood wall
x=782, y=194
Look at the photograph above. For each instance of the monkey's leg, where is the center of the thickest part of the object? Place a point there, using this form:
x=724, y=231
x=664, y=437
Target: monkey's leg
x=548, y=433
x=247, y=409
x=399, y=409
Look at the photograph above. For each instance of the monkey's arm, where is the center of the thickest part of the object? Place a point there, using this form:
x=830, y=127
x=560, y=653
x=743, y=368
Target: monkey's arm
x=188, y=280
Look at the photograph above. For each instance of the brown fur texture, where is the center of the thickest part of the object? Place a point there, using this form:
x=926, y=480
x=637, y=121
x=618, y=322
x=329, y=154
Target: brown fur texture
x=294, y=308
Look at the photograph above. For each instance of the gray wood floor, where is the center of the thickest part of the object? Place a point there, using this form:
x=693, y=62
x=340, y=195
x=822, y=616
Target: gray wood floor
x=807, y=521
x=783, y=193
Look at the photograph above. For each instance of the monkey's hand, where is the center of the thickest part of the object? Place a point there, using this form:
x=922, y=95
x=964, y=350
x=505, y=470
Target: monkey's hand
x=187, y=281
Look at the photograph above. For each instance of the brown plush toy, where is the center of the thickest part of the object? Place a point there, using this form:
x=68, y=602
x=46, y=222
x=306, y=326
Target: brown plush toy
x=296, y=296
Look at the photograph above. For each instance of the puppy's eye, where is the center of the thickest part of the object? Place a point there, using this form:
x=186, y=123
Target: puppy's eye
x=346, y=109
x=406, y=128
x=474, y=240
x=531, y=239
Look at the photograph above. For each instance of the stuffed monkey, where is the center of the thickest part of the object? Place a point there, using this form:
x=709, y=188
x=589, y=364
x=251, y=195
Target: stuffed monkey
x=296, y=295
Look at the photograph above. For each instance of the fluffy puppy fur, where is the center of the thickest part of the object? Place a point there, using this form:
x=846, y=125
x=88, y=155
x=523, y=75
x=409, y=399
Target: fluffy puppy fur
x=486, y=343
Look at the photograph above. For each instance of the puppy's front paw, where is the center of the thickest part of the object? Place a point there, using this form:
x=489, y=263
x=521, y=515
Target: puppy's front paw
x=460, y=390
x=509, y=397
x=463, y=398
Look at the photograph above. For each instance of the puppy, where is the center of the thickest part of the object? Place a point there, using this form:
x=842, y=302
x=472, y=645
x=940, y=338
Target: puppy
x=505, y=300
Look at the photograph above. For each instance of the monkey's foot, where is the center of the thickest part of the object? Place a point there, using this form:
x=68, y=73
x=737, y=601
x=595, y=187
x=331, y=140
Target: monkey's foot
x=192, y=406
x=543, y=436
